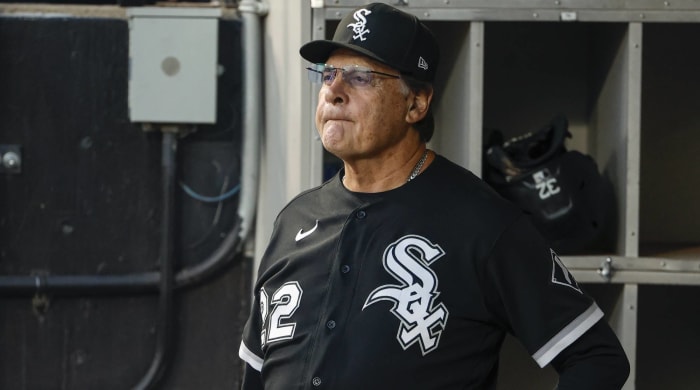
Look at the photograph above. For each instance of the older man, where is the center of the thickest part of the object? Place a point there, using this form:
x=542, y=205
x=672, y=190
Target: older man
x=405, y=271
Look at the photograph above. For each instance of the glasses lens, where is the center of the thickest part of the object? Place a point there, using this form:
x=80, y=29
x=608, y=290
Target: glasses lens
x=315, y=73
x=329, y=74
x=357, y=77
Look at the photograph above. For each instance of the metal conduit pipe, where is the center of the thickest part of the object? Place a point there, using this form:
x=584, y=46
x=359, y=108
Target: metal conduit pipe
x=148, y=282
x=251, y=12
x=67, y=285
x=165, y=324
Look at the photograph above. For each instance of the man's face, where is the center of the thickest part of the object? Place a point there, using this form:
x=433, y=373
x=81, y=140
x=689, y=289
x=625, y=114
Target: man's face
x=362, y=122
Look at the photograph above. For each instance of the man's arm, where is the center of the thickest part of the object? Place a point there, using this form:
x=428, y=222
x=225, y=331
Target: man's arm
x=251, y=379
x=595, y=361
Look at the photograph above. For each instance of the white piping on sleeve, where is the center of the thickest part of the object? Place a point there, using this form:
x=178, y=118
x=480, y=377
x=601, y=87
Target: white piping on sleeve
x=568, y=335
x=249, y=357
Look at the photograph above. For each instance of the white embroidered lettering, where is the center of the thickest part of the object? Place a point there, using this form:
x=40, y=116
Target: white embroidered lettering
x=546, y=185
x=360, y=26
x=422, y=321
x=284, y=302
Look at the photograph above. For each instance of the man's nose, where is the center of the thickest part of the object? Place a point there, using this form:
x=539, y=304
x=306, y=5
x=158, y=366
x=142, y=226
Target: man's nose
x=335, y=92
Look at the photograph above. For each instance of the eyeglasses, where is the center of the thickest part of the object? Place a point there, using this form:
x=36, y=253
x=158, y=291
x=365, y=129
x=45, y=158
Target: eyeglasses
x=356, y=76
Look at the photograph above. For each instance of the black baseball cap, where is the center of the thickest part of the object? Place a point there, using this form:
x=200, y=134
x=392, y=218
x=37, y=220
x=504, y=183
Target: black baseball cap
x=386, y=34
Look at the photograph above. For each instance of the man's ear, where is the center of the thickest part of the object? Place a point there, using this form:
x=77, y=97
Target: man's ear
x=418, y=105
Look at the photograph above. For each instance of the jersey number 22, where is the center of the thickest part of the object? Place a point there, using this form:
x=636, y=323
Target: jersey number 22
x=285, y=301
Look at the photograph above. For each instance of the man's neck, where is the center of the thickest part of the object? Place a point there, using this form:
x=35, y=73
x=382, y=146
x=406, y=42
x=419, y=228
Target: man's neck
x=378, y=176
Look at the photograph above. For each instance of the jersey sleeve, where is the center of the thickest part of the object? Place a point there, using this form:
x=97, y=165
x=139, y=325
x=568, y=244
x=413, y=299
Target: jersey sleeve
x=533, y=295
x=250, y=350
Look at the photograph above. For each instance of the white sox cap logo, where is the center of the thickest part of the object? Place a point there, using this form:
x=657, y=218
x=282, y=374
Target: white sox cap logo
x=360, y=26
x=413, y=300
x=386, y=34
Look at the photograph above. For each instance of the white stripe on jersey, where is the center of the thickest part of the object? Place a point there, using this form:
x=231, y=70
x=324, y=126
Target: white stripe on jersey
x=568, y=335
x=249, y=357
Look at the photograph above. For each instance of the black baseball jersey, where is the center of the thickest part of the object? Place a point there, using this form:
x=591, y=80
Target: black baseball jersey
x=413, y=288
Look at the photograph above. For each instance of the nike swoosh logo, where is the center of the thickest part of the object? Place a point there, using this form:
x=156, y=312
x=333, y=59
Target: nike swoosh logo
x=302, y=234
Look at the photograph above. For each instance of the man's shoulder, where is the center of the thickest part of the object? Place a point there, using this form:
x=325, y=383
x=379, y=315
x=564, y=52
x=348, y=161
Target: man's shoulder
x=452, y=180
x=318, y=200
x=468, y=198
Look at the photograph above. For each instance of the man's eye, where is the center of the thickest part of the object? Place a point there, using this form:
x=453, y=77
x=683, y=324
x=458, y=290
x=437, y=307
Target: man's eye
x=327, y=75
x=359, y=78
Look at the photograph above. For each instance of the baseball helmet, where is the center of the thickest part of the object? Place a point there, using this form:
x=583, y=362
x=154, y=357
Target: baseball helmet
x=569, y=201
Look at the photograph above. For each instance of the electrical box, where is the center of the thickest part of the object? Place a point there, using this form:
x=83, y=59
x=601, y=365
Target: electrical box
x=173, y=64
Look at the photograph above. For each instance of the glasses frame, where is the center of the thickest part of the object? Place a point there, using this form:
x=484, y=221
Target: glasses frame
x=316, y=74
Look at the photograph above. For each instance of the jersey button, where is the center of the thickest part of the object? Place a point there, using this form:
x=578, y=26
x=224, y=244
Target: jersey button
x=316, y=381
x=345, y=269
x=330, y=324
x=361, y=214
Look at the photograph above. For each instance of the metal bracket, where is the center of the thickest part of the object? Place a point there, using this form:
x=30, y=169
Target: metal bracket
x=260, y=8
x=606, y=269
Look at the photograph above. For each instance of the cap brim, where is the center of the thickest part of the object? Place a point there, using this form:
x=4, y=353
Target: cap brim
x=318, y=51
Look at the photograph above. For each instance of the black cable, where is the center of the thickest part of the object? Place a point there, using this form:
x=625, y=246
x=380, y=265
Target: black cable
x=165, y=326
x=67, y=285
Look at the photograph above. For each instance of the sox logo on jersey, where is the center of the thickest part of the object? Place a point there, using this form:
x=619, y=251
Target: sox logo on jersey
x=407, y=260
